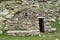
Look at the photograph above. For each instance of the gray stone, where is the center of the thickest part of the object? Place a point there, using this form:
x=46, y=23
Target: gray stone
x=1, y=19
x=6, y=28
x=52, y=30
x=1, y=32
x=58, y=2
x=9, y=16
x=49, y=2
x=52, y=20
x=56, y=39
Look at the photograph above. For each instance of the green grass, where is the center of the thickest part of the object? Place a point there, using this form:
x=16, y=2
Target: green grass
x=48, y=36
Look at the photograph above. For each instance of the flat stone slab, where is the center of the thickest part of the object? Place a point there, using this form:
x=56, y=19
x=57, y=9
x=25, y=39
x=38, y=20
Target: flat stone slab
x=23, y=33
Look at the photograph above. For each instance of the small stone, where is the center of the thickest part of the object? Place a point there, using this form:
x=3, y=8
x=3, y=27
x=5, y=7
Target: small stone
x=5, y=12
x=59, y=18
x=46, y=10
x=49, y=2
x=58, y=2
x=39, y=35
x=9, y=21
x=1, y=32
x=5, y=28
x=29, y=22
x=12, y=34
x=56, y=39
x=52, y=20
x=48, y=33
x=37, y=14
x=9, y=16
x=52, y=30
x=59, y=22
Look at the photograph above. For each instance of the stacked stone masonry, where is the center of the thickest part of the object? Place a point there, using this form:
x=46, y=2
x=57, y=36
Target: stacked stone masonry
x=22, y=15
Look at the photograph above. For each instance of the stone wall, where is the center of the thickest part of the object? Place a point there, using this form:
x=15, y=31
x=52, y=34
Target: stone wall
x=26, y=20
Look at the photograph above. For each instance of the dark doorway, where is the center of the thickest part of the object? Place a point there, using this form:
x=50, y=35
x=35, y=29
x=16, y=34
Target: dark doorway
x=41, y=25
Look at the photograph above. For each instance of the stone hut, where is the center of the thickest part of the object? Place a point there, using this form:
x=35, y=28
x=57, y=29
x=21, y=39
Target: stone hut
x=30, y=20
x=16, y=17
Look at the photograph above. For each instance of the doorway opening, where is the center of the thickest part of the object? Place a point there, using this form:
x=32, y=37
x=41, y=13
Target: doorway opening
x=41, y=25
